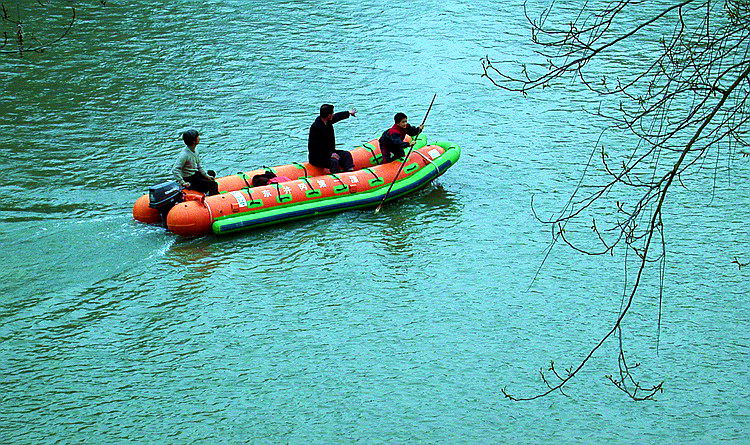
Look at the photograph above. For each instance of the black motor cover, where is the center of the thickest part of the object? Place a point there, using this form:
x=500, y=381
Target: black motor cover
x=164, y=196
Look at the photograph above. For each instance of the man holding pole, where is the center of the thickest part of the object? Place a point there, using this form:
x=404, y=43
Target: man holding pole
x=392, y=142
x=406, y=155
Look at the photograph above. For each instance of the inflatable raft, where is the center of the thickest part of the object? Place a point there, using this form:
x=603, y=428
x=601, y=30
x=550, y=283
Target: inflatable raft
x=311, y=191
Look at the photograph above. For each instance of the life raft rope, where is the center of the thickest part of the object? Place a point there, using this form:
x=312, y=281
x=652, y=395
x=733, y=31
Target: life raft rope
x=437, y=169
x=372, y=172
x=244, y=178
x=371, y=149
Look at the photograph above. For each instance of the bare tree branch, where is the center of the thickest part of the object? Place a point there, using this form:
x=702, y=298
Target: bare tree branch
x=20, y=32
x=688, y=99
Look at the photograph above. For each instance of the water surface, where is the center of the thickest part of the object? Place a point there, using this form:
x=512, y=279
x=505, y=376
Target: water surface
x=396, y=327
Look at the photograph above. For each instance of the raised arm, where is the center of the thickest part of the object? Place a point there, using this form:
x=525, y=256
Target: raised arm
x=340, y=116
x=413, y=131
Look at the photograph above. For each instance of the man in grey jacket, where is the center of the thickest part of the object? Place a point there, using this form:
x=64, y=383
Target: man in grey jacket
x=188, y=170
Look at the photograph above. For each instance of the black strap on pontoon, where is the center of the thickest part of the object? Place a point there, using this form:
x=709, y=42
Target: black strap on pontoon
x=371, y=172
x=304, y=169
x=244, y=178
x=371, y=148
x=278, y=189
x=302, y=166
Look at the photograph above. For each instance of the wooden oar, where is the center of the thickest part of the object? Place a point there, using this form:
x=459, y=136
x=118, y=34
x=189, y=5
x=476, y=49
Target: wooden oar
x=401, y=167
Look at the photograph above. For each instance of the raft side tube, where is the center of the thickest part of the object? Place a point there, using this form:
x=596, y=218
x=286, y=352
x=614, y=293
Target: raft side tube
x=144, y=213
x=364, y=199
x=319, y=188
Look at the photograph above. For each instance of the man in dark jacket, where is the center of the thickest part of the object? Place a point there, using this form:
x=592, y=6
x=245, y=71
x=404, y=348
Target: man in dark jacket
x=321, y=144
x=392, y=142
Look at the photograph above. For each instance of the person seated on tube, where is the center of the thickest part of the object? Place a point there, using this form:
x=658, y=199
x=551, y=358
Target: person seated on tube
x=321, y=142
x=188, y=170
x=392, y=142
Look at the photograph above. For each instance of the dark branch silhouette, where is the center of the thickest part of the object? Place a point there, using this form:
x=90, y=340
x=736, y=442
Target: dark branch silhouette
x=739, y=264
x=19, y=39
x=688, y=99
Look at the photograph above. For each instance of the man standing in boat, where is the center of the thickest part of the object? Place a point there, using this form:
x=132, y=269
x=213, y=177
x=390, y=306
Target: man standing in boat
x=392, y=142
x=188, y=170
x=321, y=144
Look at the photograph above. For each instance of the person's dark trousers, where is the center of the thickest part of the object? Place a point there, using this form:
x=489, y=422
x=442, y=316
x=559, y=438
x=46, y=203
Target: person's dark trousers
x=345, y=162
x=391, y=153
x=200, y=184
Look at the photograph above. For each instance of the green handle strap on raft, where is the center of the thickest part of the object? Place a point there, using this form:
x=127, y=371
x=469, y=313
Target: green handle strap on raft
x=278, y=189
x=281, y=198
x=312, y=193
x=252, y=202
x=244, y=177
x=339, y=188
x=304, y=178
x=375, y=159
x=284, y=198
x=411, y=167
x=376, y=180
x=301, y=167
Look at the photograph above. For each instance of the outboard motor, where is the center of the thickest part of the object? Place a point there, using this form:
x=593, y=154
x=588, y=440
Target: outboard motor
x=164, y=196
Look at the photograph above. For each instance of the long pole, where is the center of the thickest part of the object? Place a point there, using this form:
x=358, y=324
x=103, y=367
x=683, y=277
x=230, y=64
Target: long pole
x=401, y=167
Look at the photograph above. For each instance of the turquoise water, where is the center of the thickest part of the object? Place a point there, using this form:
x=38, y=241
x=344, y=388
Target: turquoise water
x=398, y=327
